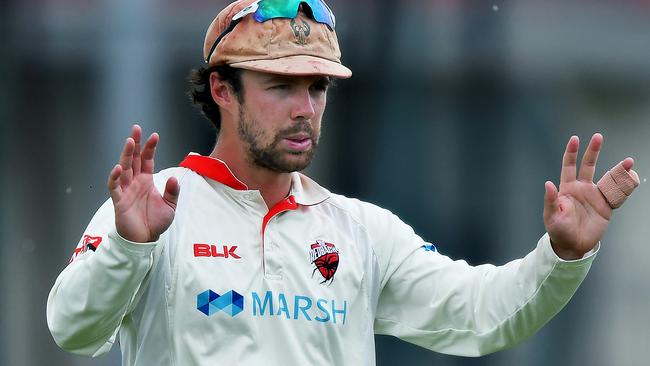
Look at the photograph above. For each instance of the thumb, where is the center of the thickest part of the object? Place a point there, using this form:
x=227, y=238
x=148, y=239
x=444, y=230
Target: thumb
x=172, y=189
x=550, y=200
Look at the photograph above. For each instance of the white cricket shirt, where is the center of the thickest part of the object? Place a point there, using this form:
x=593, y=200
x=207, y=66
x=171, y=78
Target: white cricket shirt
x=307, y=282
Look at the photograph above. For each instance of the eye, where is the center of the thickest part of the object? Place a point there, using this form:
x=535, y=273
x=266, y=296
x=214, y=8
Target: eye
x=280, y=87
x=321, y=85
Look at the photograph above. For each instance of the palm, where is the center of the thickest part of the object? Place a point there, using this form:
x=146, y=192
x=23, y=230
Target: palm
x=577, y=216
x=141, y=212
x=582, y=216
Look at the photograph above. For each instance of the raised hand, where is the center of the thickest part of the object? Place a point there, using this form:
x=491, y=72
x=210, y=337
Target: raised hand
x=576, y=216
x=141, y=212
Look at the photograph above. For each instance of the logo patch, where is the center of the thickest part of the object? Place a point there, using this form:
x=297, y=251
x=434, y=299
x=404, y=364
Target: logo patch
x=88, y=242
x=429, y=248
x=209, y=302
x=301, y=31
x=207, y=250
x=325, y=258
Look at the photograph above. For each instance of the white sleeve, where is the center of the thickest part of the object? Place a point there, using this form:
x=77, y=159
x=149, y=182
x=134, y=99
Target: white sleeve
x=451, y=307
x=98, y=288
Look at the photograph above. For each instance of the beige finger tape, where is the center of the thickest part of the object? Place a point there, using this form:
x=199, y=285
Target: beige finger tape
x=616, y=185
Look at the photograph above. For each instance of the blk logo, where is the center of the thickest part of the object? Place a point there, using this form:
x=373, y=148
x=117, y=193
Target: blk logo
x=209, y=302
x=207, y=250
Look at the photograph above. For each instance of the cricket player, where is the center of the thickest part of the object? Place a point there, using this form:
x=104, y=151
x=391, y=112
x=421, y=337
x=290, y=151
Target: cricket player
x=237, y=258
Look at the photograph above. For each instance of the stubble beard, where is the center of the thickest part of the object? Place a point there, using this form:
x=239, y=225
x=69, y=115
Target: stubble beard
x=272, y=156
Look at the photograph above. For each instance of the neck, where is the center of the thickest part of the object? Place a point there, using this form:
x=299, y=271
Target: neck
x=273, y=186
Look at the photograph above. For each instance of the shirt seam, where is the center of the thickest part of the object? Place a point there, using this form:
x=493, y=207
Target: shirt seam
x=353, y=218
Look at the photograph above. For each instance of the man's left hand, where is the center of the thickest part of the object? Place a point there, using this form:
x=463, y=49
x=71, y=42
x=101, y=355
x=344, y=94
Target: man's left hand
x=576, y=216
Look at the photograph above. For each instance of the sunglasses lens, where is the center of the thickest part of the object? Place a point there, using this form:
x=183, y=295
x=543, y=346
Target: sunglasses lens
x=271, y=9
x=322, y=13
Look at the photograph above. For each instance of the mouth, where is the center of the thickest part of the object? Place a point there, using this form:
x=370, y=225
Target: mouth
x=298, y=145
x=299, y=142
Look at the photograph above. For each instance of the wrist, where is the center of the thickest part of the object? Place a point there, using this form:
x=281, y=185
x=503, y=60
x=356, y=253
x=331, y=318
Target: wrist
x=136, y=238
x=564, y=253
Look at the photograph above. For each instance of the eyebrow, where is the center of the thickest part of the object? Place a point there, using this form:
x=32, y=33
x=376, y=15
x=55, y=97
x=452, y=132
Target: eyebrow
x=322, y=80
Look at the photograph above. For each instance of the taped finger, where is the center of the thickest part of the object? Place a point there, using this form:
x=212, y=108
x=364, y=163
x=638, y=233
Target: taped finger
x=617, y=184
x=624, y=179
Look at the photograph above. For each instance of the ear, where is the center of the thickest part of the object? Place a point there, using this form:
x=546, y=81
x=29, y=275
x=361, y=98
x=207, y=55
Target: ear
x=221, y=92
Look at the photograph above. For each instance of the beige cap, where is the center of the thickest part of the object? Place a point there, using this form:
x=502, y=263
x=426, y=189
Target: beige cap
x=299, y=46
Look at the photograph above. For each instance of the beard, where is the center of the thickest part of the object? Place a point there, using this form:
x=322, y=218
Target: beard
x=272, y=156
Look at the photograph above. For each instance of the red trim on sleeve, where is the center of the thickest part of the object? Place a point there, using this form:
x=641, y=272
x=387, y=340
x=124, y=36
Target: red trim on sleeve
x=214, y=169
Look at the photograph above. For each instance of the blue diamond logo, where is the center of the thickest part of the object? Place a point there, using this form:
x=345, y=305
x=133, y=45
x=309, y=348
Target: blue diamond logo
x=209, y=302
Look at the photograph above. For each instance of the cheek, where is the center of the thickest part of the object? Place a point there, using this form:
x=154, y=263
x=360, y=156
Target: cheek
x=320, y=103
x=259, y=118
x=319, y=108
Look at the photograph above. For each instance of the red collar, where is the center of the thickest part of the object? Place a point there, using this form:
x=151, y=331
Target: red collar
x=306, y=191
x=214, y=169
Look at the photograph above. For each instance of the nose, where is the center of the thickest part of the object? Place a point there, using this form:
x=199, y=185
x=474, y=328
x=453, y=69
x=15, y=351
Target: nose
x=302, y=105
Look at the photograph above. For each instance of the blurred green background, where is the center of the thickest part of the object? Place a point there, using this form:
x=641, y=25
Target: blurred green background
x=456, y=114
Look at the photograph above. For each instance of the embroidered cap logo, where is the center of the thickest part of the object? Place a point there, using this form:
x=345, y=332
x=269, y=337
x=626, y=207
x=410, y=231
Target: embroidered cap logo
x=325, y=258
x=301, y=31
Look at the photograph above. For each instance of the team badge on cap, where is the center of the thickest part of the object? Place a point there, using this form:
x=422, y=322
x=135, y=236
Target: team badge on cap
x=301, y=30
x=325, y=258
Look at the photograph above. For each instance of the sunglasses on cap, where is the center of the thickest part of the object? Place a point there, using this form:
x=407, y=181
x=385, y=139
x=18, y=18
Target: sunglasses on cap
x=264, y=10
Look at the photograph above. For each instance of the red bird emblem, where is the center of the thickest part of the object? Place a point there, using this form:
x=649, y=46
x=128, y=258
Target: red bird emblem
x=325, y=258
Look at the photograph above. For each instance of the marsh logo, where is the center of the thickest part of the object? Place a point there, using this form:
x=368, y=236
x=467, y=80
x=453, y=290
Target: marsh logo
x=275, y=305
x=209, y=303
x=299, y=307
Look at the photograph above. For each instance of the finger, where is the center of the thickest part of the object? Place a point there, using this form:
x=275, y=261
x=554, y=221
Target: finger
x=628, y=163
x=619, y=183
x=113, y=183
x=126, y=160
x=136, y=134
x=625, y=181
x=588, y=165
x=148, y=153
x=172, y=189
x=568, y=173
x=611, y=190
x=550, y=200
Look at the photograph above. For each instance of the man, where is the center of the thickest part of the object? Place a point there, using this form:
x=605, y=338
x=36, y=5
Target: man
x=236, y=258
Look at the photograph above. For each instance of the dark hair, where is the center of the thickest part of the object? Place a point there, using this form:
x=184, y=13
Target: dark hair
x=202, y=96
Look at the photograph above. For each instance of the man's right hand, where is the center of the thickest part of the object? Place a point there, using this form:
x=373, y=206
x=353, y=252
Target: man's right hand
x=141, y=212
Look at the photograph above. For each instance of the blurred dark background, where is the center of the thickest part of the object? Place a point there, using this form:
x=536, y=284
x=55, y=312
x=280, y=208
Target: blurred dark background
x=457, y=113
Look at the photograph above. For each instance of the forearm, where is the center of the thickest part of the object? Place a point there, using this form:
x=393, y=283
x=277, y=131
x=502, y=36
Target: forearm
x=517, y=299
x=89, y=299
x=451, y=307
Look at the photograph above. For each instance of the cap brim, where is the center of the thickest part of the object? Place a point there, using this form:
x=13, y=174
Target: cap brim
x=297, y=65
